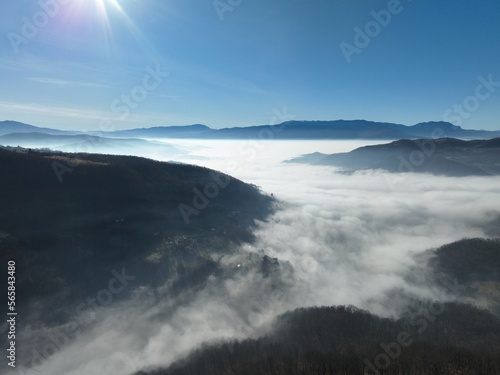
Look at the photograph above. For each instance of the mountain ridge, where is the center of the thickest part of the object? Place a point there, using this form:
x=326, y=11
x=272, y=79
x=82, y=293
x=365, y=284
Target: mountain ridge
x=304, y=129
x=111, y=212
x=443, y=156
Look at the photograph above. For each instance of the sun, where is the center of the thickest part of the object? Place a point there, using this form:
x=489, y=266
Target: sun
x=103, y=4
x=96, y=9
x=105, y=13
x=103, y=7
x=107, y=9
x=110, y=19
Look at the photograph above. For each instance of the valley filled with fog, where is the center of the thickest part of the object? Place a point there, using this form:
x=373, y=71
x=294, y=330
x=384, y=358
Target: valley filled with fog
x=352, y=237
x=234, y=187
x=357, y=238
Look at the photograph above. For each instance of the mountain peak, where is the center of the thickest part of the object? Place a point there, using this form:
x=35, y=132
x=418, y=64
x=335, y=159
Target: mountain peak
x=436, y=124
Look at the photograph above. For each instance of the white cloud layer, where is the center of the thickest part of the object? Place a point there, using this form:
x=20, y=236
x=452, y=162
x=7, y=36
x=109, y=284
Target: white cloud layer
x=351, y=239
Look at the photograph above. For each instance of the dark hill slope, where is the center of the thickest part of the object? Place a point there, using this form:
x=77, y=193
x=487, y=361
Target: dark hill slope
x=112, y=212
x=339, y=340
x=470, y=267
x=470, y=260
x=445, y=156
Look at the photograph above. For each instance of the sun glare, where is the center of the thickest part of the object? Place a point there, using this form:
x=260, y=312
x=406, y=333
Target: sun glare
x=109, y=13
x=103, y=4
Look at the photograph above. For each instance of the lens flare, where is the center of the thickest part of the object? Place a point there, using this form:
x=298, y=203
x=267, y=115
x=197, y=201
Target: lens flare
x=106, y=16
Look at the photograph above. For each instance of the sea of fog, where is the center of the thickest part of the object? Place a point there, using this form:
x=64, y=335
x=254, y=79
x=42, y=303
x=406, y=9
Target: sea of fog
x=350, y=239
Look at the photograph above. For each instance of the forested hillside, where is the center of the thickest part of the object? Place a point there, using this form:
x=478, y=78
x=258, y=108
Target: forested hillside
x=460, y=339
x=92, y=214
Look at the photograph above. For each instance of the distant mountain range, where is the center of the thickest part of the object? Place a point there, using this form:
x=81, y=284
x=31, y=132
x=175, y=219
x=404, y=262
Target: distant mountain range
x=339, y=129
x=444, y=156
x=85, y=143
x=8, y=127
x=188, y=131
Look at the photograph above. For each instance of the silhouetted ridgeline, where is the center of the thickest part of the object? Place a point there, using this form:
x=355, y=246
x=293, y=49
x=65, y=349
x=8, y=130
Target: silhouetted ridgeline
x=114, y=212
x=344, y=340
x=336, y=129
x=445, y=156
x=89, y=143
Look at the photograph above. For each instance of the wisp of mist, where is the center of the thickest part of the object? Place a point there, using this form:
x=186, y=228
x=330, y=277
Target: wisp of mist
x=348, y=238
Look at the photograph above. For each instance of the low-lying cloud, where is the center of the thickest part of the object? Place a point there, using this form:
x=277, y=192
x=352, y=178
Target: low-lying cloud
x=340, y=239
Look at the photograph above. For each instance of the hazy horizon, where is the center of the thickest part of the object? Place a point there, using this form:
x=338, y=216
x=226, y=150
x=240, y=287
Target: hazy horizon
x=85, y=63
x=273, y=120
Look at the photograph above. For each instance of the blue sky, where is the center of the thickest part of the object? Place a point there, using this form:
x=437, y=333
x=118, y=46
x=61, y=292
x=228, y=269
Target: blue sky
x=236, y=62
